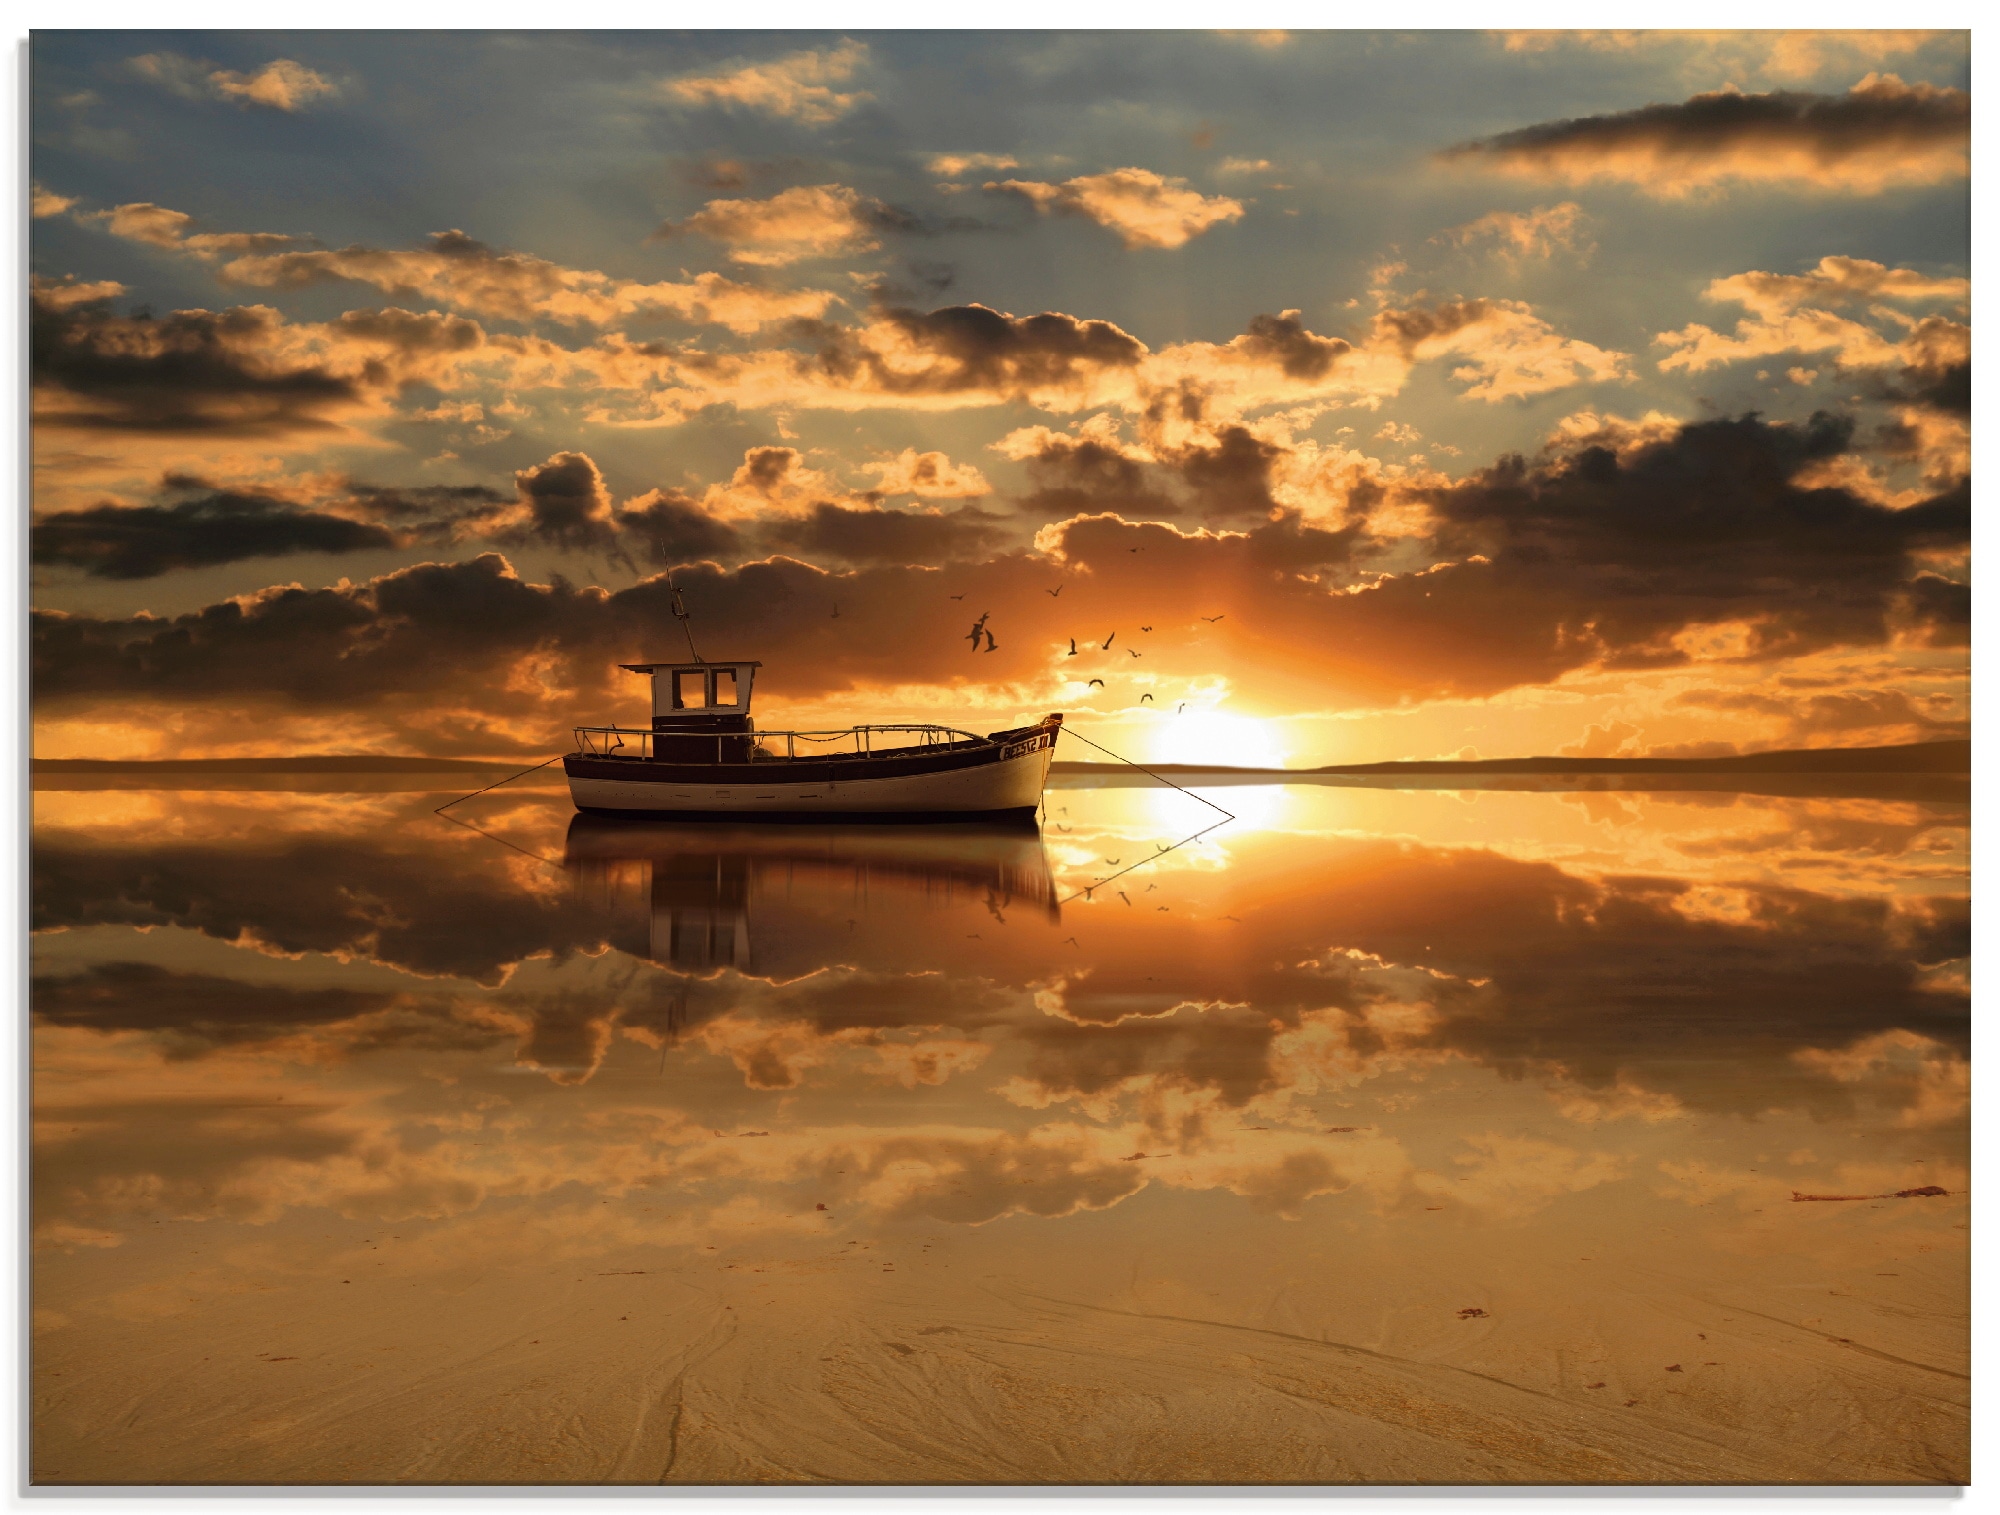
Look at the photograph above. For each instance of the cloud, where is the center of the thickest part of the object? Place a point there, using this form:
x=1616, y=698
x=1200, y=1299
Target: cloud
x=1842, y=718
x=952, y=165
x=1704, y=515
x=243, y=372
x=1601, y=556
x=930, y=474
x=869, y=534
x=797, y=86
x=1144, y=209
x=1796, y=313
x=565, y=505
x=464, y=274
x=1519, y=235
x=62, y=294
x=668, y=526
x=226, y=526
x=1506, y=350
x=281, y=84
x=43, y=203
x=968, y=355
x=459, y=272
x=806, y=221
x=1881, y=134
x=1244, y=166
x=1836, y=281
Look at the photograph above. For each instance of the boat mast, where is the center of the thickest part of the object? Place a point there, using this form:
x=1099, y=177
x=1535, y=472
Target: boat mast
x=681, y=611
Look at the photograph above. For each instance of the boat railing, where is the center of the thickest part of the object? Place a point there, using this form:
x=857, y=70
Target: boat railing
x=637, y=742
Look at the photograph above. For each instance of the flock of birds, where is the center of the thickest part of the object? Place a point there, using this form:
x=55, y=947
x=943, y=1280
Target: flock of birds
x=980, y=630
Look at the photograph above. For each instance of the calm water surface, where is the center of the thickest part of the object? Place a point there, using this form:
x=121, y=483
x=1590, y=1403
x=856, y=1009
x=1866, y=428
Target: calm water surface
x=1376, y=1135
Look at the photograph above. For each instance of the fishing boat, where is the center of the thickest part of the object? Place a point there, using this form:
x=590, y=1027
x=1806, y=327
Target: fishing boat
x=703, y=757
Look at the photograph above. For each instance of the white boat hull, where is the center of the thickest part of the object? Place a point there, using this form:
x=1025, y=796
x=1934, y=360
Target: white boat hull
x=1012, y=784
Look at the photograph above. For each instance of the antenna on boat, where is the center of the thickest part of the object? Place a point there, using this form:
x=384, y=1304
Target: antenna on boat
x=681, y=611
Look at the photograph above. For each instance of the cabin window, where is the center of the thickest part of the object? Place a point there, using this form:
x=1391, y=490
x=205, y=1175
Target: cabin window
x=689, y=690
x=725, y=687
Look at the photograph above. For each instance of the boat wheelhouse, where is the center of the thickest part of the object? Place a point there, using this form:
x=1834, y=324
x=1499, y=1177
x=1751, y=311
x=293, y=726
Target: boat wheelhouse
x=702, y=756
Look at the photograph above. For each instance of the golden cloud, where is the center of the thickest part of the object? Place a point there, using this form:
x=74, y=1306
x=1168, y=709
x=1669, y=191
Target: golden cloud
x=806, y=221
x=930, y=474
x=459, y=272
x=280, y=84
x=797, y=86
x=1519, y=235
x=1142, y=207
x=1789, y=314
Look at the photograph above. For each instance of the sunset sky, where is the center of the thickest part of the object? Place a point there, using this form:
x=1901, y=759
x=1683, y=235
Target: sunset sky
x=1383, y=395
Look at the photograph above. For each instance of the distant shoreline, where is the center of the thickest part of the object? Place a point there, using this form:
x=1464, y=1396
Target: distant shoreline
x=1952, y=757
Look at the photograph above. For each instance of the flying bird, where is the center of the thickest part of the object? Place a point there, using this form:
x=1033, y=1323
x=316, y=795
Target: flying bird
x=990, y=643
x=1070, y=941
x=1135, y=654
x=1098, y=682
x=954, y=596
x=1144, y=698
x=1112, y=861
x=1145, y=628
x=1180, y=707
x=1055, y=593
x=1124, y=896
x=1072, y=646
x=836, y=612
x=978, y=628
x=1212, y=619
x=1109, y=640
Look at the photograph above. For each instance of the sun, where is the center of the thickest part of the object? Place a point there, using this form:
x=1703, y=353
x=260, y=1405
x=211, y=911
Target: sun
x=1222, y=740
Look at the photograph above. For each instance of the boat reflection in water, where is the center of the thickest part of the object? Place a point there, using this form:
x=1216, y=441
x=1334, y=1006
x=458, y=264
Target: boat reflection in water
x=683, y=894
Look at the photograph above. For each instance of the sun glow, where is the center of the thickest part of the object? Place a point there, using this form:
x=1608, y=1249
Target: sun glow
x=1214, y=737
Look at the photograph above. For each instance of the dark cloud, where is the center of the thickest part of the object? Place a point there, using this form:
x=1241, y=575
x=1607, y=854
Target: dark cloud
x=193, y=372
x=425, y=510
x=224, y=373
x=1284, y=340
x=1227, y=474
x=143, y=542
x=971, y=347
x=1707, y=525
x=1880, y=133
x=1941, y=375
x=568, y=506
x=1078, y=475
x=871, y=535
x=1232, y=477
x=668, y=526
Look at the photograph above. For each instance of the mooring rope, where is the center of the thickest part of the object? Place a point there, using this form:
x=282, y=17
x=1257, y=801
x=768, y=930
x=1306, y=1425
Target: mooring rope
x=1065, y=731
x=497, y=783
x=1159, y=852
